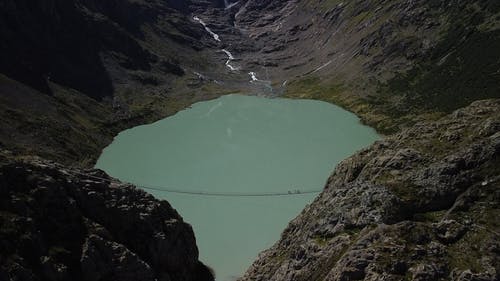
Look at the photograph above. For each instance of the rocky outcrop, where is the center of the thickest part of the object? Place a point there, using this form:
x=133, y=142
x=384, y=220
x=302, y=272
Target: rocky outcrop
x=60, y=224
x=420, y=205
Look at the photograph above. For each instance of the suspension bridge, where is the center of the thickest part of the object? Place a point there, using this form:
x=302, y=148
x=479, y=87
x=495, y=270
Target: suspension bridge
x=158, y=188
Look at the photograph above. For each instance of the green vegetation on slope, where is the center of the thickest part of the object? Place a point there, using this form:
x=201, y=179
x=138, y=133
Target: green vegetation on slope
x=407, y=66
x=465, y=67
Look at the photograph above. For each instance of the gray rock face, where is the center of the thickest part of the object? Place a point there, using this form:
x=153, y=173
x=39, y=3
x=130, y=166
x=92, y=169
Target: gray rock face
x=420, y=205
x=60, y=224
x=102, y=258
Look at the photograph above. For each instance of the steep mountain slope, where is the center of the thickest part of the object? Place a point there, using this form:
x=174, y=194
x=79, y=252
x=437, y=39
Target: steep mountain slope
x=420, y=205
x=74, y=73
x=390, y=61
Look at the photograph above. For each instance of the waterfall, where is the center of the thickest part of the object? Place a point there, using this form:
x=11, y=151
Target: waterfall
x=230, y=58
x=253, y=75
x=215, y=36
x=228, y=5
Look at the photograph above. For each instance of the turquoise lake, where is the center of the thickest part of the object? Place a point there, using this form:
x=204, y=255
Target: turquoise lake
x=238, y=144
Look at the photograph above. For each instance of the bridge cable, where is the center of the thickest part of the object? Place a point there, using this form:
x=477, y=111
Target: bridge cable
x=295, y=192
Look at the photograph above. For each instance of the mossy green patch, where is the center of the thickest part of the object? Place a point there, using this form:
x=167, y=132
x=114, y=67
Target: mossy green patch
x=321, y=241
x=463, y=67
x=323, y=4
x=278, y=259
x=7, y=227
x=59, y=252
x=403, y=189
x=434, y=216
x=466, y=253
x=340, y=94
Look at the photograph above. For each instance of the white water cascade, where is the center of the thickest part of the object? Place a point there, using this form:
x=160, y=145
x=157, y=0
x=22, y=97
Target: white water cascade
x=214, y=35
x=228, y=5
x=217, y=38
x=230, y=57
x=321, y=67
x=253, y=75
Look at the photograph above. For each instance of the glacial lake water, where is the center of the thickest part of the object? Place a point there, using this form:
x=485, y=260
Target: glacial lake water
x=238, y=144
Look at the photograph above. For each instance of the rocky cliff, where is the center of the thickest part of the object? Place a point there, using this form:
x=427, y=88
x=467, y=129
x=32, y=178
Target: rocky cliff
x=64, y=224
x=420, y=205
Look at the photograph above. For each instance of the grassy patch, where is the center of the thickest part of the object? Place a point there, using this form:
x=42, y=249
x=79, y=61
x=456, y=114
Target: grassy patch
x=462, y=68
x=341, y=95
x=321, y=241
x=321, y=273
x=429, y=216
x=59, y=253
x=323, y=4
x=403, y=190
x=466, y=254
x=280, y=258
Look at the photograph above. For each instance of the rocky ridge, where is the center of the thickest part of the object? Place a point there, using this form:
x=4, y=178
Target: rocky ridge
x=420, y=205
x=63, y=224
